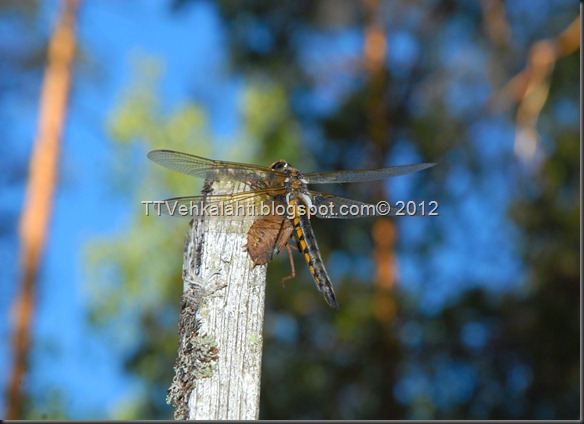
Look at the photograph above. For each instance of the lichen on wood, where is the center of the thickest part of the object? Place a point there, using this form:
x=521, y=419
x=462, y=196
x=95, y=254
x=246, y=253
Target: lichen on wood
x=218, y=369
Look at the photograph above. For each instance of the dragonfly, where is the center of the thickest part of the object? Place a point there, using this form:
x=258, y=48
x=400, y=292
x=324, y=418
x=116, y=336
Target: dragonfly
x=283, y=187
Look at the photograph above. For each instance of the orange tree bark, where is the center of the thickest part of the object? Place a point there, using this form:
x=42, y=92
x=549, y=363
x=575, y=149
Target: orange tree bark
x=384, y=231
x=39, y=195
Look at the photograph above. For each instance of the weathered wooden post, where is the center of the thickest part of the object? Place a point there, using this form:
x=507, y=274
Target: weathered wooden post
x=218, y=369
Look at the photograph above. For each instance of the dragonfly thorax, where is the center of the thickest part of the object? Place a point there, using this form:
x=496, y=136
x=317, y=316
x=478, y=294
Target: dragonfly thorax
x=294, y=178
x=295, y=183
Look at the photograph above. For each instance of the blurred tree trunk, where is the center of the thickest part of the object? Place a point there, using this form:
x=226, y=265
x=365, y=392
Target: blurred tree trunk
x=378, y=127
x=384, y=231
x=39, y=195
x=218, y=369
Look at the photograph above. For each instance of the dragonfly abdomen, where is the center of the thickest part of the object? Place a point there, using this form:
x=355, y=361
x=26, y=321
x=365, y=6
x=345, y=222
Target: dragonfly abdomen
x=309, y=248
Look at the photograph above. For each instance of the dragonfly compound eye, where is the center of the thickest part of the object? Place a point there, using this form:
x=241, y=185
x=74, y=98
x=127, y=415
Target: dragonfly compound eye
x=280, y=165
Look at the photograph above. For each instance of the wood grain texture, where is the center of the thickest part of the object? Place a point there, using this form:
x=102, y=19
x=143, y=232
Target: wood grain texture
x=219, y=366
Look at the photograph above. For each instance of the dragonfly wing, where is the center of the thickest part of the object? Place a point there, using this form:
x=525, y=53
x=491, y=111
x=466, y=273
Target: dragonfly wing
x=251, y=204
x=266, y=237
x=364, y=175
x=331, y=206
x=215, y=169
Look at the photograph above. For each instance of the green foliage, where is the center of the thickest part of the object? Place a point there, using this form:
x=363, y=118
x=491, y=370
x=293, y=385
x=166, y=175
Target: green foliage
x=52, y=407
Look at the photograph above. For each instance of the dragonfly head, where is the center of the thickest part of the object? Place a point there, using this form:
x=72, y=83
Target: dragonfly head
x=280, y=165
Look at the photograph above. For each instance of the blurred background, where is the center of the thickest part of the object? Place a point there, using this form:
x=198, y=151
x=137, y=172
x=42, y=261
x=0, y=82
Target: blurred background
x=473, y=314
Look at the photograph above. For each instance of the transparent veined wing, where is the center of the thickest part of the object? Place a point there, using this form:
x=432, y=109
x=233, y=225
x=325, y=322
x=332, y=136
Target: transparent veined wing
x=330, y=206
x=251, y=204
x=364, y=175
x=215, y=169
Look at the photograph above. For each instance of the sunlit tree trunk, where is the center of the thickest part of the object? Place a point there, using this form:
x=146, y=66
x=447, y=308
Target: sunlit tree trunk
x=529, y=89
x=218, y=369
x=39, y=195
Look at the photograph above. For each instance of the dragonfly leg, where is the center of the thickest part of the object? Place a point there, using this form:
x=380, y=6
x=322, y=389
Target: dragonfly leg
x=293, y=271
x=294, y=246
